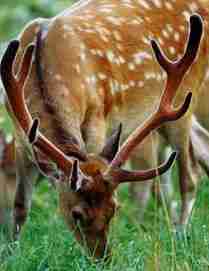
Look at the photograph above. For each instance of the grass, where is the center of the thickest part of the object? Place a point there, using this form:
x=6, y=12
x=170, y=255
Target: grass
x=46, y=244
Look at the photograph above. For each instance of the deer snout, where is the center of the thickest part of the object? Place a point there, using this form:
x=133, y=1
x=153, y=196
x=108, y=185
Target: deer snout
x=78, y=214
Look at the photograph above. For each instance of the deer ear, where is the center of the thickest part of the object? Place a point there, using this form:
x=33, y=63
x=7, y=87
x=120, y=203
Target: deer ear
x=74, y=175
x=112, y=145
x=32, y=135
x=77, y=178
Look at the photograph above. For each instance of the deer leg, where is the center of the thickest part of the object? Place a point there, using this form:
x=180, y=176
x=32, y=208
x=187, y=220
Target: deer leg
x=141, y=193
x=188, y=167
x=187, y=190
x=200, y=143
x=7, y=193
x=164, y=190
x=26, y=176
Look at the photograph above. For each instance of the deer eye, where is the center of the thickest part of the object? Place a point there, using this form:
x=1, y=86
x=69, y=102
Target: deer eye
x=92, y=201
x=80, y=215
x=77, y=216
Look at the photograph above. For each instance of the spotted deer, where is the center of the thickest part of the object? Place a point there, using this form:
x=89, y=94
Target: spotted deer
x=93, y=70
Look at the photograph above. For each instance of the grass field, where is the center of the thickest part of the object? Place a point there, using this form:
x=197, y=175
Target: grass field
x=46, y=244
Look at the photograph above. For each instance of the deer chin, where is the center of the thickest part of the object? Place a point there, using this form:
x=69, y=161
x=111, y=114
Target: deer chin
x=89, y=224
x=95, y=243
x=92, y=239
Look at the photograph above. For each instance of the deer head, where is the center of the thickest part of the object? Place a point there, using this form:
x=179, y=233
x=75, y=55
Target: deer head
x=88, y=184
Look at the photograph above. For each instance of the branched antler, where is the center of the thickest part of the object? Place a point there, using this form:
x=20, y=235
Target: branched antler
x=15, y=94
x=165, y=112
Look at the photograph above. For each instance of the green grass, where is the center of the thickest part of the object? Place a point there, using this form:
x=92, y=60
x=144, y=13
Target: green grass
x=46, y=243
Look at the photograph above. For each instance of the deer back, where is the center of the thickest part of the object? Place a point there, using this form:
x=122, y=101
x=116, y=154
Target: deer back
x=96, y=57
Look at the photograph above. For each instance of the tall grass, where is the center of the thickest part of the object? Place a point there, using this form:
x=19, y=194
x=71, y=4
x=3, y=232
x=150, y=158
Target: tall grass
x=46, y=243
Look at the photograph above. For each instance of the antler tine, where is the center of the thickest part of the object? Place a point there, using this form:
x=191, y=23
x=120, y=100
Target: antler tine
x=165, y=111
x=9, y=81
x=180, y=67
x=143, y=175
x=196, y=30
x=15, y=94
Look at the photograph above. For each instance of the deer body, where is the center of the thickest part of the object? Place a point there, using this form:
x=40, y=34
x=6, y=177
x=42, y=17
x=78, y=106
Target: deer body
x=94, y=68
x=110, y=65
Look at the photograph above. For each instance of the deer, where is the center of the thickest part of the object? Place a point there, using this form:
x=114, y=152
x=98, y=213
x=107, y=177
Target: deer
x=79, y=90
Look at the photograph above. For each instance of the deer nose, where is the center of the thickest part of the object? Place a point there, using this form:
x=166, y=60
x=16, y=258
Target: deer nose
x=78, y=214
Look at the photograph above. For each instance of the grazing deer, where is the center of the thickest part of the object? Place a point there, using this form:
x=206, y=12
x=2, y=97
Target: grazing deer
x=93, y=69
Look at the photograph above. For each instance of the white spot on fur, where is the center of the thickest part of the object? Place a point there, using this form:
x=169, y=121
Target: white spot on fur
x=165, y=33
x=141, y=84
x=102, y=76
x=140, y=57
x=124, y=87
x=146, y=40
x=158, y=77
x=169, y=28
x=119, y=46
x=121, y=60
x=131, y=66
x=110, y=56
x=144, y=4
x=63, y=90
x=83, y=56
x=132, y=83
x=160, y=40
x=77, y=68
x=115, y=20
x=172, y=50
x=157, y=3
x=168, y=5
x=114, y=86
x=117, y=35
x=58, y=77
x=182, y=28
x=176, y=36
x=150, y=75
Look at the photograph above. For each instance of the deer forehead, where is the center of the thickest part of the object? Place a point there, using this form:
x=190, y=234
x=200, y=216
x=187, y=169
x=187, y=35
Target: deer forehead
x=94, y=165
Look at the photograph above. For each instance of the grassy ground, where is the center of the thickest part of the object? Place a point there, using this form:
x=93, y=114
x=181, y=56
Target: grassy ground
x=46, y=243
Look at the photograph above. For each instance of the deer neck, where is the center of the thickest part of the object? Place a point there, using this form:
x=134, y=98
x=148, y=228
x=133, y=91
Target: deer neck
x=64, y=128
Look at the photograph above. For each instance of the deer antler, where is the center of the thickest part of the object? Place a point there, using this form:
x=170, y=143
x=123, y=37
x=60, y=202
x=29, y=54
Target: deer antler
x=15, y=94
x=165, y=112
